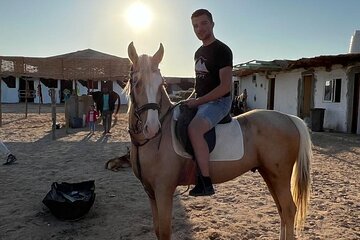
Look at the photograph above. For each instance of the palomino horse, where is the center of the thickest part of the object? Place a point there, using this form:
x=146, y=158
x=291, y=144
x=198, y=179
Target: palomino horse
x=276, y=144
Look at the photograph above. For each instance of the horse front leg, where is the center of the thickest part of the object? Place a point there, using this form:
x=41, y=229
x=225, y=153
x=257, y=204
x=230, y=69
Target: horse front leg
x=155, y=216
x=162, y=222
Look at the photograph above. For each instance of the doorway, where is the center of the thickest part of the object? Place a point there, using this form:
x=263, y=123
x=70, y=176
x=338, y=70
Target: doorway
x=307, y=96
x=65, y=94
x=355, y=116
x=22, y=90
x=271, y=94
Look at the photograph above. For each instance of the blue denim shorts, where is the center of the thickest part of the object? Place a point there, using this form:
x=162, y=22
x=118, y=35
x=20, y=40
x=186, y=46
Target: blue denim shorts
x=215, y=111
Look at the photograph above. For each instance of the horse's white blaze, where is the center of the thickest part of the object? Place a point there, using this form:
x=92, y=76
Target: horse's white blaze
x=152, y=124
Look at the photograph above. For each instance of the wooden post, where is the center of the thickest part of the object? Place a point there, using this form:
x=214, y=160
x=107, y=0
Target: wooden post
x=26, y=96
x=39, y=93
x=66, y=116
x=76, y=98
x=52, y=94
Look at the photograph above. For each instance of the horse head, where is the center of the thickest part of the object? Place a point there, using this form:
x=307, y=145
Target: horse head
x=144, y=88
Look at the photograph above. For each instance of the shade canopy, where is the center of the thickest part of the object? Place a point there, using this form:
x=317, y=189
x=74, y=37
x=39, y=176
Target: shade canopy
x=81, y=65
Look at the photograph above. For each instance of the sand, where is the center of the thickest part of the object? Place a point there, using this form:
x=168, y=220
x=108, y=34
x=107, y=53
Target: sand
x=240, y=209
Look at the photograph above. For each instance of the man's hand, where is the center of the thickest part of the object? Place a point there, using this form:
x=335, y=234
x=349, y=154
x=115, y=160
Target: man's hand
x=192, y=102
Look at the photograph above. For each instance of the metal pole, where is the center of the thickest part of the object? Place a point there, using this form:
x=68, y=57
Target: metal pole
x=39, y=95
x=52, y=94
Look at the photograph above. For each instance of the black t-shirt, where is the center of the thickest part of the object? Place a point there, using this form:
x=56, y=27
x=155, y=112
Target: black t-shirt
x=208, y=61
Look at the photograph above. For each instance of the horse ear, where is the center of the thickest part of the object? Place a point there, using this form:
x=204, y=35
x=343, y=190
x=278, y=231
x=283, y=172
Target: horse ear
x=156, y=59
x=132, y=53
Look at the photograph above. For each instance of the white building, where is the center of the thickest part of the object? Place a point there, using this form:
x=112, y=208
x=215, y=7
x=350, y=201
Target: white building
x=303, y=86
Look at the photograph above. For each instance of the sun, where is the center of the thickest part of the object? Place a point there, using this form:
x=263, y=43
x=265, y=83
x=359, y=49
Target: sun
x=139, y=16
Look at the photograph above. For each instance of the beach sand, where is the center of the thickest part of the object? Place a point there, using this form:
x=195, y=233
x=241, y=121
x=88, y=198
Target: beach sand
x=240, y=209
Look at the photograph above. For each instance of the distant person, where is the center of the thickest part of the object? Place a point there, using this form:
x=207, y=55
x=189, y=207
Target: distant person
x=243, y=101
x=5, y=152
x=235, y=109
x=66, y=93
x=91, y=118
x=213, y=68
x=106, y=106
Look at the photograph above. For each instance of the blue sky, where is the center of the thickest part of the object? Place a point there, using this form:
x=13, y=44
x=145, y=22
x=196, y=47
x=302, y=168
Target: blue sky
x=253, y=29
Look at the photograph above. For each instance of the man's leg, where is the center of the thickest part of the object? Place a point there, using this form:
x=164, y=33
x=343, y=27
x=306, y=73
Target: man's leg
x=197, y=128
x=109, y=121
x=105, y=122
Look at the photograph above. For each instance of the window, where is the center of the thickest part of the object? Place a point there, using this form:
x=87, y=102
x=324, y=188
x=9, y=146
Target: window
x=93, y=84
x=254, y=78
x=332, y=91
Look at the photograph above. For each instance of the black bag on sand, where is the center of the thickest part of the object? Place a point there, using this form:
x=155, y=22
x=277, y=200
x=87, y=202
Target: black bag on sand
x=70, y=201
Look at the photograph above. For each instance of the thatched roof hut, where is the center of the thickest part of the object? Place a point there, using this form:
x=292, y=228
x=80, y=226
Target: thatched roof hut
x=81, y=65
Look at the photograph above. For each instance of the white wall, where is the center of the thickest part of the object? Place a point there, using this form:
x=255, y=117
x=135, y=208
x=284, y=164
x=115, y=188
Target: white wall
x=286, y=91
x=119, y=90
x=256, y=90
x=9, y=95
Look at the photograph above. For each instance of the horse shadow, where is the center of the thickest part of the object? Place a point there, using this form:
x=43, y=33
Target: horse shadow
x=345, y=143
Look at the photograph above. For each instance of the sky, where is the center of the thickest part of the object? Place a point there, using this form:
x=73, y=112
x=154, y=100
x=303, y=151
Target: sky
x=253, y=29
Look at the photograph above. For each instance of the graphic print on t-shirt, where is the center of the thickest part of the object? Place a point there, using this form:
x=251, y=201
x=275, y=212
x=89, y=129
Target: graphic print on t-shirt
x=200, y=68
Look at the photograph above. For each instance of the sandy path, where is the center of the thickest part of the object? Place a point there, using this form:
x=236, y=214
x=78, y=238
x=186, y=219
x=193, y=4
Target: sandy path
x=241, y=209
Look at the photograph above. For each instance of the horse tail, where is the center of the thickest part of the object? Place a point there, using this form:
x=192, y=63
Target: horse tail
x=301, y=179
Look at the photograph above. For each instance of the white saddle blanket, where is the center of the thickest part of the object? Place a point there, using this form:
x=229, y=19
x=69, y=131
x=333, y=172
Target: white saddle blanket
x=229, y=141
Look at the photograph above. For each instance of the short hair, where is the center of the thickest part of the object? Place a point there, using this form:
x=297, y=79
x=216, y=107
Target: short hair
x=200, y=12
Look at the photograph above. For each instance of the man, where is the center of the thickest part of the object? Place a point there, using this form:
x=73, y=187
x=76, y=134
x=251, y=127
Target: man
x=213, y=67
x=106, y=106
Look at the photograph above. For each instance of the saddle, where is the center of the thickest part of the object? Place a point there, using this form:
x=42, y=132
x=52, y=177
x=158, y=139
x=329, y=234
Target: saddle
x=181, y=126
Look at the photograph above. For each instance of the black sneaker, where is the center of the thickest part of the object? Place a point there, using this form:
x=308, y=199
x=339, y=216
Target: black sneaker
x=203, y=187
x=198, y=191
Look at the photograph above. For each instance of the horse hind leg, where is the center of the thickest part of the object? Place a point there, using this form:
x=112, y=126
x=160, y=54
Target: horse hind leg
x=276, y=200
x=284, y=203
x=288, y=208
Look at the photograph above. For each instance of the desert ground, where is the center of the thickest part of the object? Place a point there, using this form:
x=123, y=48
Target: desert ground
x=240, y=209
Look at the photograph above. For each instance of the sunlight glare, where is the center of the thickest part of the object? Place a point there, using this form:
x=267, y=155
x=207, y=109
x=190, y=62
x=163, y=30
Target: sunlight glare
x=139, y=16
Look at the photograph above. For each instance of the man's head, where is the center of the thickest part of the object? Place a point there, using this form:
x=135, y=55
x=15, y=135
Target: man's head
x=105, y=90
x=200, y=12
x=203, y=25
